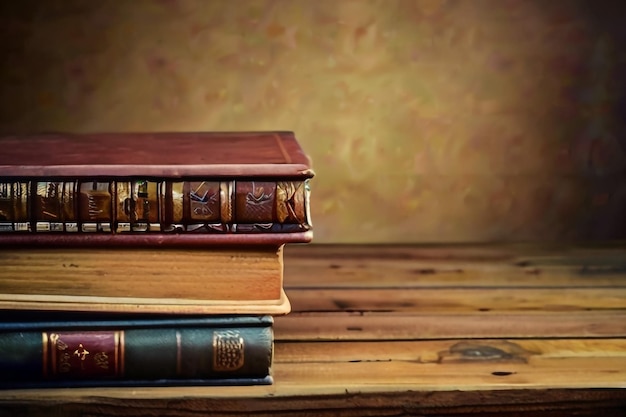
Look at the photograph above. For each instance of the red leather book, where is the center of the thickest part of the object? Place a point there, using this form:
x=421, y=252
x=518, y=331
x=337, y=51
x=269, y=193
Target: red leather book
x=154, y=189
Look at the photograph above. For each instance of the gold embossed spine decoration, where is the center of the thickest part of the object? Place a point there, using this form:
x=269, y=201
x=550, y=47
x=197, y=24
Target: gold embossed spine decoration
x=48, y=206
x=165, y=204
x=171, y=206
x=228, y=351
x=68, y=206
x=14, y=207
x=255, y=202
x=7, y=205
x=96, y=206
x=53, y=338
x=283, y=191
x=124, y=196
x=227, y=195
x=21, y=200
x=44, y=354
x=159, y=205
x=116, y=353
x=147, y=214
x=119, y=353
x=204, y=201
x=290, y=202
x=299, y=203
x=307, y=204
x=124, y=206
x=177, y=202
x=84, y=354
x=156, y=208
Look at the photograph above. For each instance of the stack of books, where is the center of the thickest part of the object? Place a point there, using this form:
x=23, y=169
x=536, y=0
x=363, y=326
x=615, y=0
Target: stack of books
x=146, y=259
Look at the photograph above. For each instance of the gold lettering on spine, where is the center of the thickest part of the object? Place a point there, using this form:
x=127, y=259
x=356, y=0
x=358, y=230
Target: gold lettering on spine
x=44, y=351
x=227, y=196
x=228, y=350
x=179, y=354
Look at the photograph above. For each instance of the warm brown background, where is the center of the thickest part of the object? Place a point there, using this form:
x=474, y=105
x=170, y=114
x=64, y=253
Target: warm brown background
x=427, y=120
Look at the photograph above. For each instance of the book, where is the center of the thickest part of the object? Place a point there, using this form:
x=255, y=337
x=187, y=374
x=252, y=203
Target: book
x=82, y=350
x=224, y=280
x=154, y=189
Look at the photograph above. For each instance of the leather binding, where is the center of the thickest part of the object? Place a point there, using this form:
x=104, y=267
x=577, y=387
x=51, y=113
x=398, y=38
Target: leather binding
x=154, y=189
x=156, y=351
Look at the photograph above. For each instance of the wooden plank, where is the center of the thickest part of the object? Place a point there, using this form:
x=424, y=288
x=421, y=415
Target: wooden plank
x=512, y=253
x=201, y=401
x=390, y=326
x=349, y=273
x=566, y=373
x=456, y=300
x=323, y=266
x=567, y=253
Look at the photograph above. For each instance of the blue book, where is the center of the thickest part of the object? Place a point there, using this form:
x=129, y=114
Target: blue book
x=78, y=350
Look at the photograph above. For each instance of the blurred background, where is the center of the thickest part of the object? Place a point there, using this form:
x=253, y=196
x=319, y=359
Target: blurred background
x=427, y=120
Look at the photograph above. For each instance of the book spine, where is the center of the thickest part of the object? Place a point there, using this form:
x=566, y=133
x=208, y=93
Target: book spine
x=122, y=205
x=141, y=354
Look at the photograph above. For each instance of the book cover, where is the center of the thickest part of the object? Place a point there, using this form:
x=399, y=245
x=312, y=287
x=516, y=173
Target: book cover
x=74, y=350
x=154, y=189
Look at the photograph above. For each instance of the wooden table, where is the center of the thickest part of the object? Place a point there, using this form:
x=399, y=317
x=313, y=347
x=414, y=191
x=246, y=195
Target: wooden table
x=397, y=330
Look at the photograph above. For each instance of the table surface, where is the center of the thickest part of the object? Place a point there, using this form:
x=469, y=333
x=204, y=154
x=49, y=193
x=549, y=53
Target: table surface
x=418, y=330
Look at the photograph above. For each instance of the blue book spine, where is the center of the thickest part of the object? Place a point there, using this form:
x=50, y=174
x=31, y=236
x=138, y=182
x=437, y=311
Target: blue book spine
x=142, y=351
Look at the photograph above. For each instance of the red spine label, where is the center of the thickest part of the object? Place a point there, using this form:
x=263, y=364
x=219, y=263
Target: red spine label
x=76, y=355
